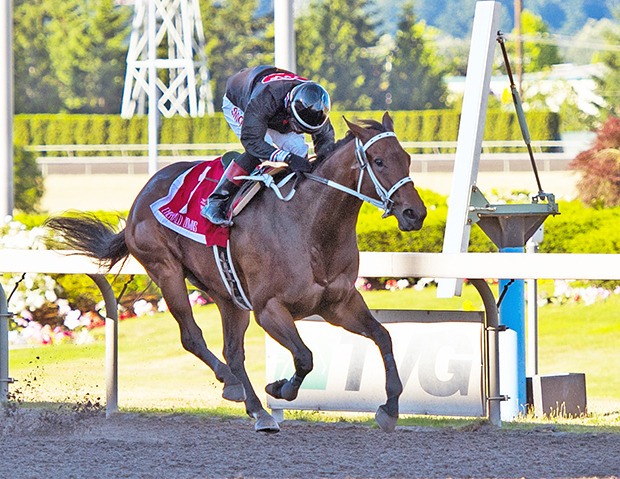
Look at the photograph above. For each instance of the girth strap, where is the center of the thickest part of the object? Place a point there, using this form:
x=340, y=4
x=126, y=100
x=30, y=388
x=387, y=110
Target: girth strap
x=225, y=266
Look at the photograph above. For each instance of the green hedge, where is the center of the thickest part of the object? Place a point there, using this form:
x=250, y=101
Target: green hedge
x=577, y=229
x=429, y=125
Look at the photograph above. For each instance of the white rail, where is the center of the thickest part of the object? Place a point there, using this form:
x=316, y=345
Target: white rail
x=427, y=156
x=473, y=266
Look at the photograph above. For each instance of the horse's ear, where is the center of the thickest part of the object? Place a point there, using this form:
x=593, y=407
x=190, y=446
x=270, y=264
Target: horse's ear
x=387, y=121
x=358, y=131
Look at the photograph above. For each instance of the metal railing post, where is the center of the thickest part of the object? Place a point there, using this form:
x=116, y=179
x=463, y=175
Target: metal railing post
x=5, y=380
x=111, y=343
x=493, y=396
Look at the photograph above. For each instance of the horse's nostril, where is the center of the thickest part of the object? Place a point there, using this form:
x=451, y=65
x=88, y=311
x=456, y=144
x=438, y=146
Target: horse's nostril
x=409, y=214
x=416, y=219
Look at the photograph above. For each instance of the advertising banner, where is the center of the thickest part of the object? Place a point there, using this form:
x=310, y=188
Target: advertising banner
x=438, y=355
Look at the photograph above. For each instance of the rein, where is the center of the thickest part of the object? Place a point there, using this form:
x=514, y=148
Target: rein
x=385, y=202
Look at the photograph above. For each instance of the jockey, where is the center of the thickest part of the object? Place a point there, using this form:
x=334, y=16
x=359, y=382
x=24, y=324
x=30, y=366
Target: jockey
x=269, y=109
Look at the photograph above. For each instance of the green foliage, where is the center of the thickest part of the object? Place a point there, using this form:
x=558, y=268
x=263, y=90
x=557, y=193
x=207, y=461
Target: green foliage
x=28, y=181
x=236, y=39
x=377, y=234
x=607, y=86
x=36, y=86
x=577, y=229
x=426, y=125
x=335, y=49
x=416, y=75
x=582, y=229
x=537, y=56
x=70, y=55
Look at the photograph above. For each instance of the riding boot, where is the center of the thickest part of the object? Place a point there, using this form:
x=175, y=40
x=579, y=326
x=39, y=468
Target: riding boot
x=216, y=209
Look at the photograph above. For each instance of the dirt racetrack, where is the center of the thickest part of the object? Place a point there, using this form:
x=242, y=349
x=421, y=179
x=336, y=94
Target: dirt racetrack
x=47, y=444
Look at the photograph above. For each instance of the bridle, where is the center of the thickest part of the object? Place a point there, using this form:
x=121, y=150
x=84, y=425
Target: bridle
x=385, y=201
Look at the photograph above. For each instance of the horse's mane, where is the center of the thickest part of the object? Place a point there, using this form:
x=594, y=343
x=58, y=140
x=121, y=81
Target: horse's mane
x=329, y=151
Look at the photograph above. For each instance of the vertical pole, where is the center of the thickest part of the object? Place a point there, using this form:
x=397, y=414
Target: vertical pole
x=284, y=30
x=471, y=129
x=6, y=108
x=111, y=343
x=4, y=348
x=532, y=319
x=152, y=94
x=512, y=315
x=492, y=351
x=518, y=8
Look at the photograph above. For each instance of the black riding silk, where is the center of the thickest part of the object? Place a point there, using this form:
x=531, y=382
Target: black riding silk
x=260, y=93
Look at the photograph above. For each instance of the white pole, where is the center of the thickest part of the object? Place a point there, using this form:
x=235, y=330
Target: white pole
x=152, y=69
x=4, y=348
x=6, y=109
x=471, y=129
x=284, y=31
x=532, y=318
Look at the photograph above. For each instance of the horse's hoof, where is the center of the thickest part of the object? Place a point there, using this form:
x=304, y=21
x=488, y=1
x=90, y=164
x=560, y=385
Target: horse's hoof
x=275, y=389
x=234, y=392
x=288, y=391
x=266, y=423
x=386, y=422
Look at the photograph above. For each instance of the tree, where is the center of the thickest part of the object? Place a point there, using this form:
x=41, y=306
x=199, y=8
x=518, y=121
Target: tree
x=28, y=181
x=336, y=43
x=599, y=185
x=416, y=77
x=88, y=49
x=109, y=30
x=607, y=85
x=537, y=56
x=236, y=39
x=35, y=85
x=70, y=55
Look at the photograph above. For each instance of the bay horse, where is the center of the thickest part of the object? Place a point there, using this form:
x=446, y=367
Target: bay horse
x=294, y=259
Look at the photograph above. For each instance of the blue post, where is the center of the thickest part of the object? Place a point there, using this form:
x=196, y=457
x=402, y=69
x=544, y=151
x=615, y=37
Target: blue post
x=512, y=315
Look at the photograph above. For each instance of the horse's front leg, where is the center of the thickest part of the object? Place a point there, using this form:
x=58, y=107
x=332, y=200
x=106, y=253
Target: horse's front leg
x=234, y=324
x=353, y=315
x=276, y=320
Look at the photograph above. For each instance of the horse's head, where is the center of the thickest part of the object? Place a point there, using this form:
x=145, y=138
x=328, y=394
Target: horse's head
x=385, y=169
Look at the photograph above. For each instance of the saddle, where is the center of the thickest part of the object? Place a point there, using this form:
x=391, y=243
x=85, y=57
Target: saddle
x=180, y=210
x=269, y=174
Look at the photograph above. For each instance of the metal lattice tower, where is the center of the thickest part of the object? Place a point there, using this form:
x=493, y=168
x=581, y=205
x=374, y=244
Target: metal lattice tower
x=182, y=83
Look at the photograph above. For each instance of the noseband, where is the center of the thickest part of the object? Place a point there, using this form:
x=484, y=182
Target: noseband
x=386, y=202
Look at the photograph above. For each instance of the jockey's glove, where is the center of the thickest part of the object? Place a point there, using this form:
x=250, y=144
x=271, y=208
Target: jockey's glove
x=298, y=163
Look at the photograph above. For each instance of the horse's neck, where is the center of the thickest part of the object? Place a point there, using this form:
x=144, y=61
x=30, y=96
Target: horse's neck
x=332, y=205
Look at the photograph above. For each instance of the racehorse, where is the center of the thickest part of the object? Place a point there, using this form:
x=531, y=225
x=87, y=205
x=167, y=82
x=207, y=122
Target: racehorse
x=293, y=259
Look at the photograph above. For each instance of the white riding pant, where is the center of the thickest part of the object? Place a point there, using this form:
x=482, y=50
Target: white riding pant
x=292, y=142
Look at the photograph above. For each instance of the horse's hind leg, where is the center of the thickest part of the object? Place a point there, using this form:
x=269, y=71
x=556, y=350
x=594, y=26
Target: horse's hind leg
x=174, y=291
x=353, y=315
x=276, y=320
x=234, y=324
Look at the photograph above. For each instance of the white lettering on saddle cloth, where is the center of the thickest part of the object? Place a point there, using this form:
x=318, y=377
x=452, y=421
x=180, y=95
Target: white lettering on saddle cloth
x=180, y=209
x=180, y=219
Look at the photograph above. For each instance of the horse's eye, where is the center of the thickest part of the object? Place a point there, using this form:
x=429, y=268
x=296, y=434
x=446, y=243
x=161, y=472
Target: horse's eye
x=379, y=162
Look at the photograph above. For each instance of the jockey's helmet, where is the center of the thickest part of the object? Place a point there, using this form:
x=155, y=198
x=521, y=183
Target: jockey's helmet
x=308, y=105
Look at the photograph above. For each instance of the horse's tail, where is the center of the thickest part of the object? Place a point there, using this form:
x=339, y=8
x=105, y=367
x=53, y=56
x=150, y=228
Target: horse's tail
x=91, y=236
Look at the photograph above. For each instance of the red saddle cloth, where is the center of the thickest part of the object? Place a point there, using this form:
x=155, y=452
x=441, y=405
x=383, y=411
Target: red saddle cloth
x=180, y=209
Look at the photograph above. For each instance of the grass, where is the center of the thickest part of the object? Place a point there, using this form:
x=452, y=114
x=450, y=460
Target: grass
x=155, y=373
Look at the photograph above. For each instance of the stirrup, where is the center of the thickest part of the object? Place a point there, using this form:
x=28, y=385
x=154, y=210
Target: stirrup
x=216, y=213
